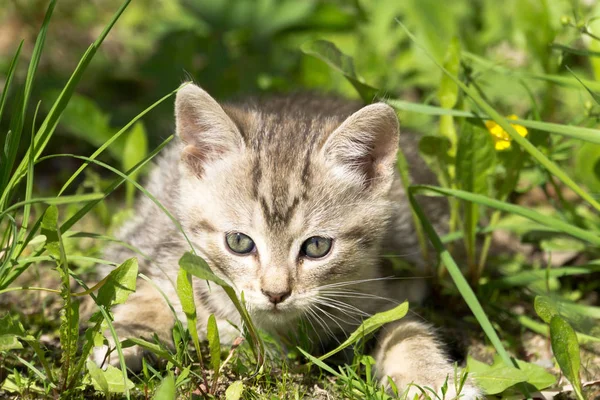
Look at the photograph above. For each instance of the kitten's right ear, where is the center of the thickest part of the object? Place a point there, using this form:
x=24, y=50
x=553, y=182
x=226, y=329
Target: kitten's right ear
x=204, y=127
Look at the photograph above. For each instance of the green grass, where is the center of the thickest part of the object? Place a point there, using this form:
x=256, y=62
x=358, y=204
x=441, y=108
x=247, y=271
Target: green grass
x=445, y=81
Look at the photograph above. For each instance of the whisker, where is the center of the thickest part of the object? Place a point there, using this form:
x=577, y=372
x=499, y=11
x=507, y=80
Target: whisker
x=359, y=295
x=324, y=324
x=346, y=306
x=334, y=318
x=355, y=282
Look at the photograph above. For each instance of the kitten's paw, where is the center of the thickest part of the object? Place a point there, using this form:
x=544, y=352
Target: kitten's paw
x=410, y=387
x=132, y=355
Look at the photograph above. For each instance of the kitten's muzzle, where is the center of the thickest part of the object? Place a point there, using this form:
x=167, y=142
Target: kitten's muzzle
x=277, y=297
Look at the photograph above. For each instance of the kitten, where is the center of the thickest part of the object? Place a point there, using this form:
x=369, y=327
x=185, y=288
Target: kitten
x=293, y=201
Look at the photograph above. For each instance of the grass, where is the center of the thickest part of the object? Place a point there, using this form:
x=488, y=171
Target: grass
x=505, y=301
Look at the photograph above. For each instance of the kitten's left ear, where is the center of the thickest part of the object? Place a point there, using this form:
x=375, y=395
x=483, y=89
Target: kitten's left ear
x=365, y=145
x=208, y=132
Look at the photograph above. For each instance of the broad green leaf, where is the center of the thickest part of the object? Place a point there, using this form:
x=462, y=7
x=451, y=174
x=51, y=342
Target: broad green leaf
x=537, y=376
x=330, y=54
x=185, y=292
x=496, y=378
x=9, y=333
x=109, y=380
x=98, y=379
x=214, y=344
x=235, y=391
x=166, y=390
x=369, y=326
x=587, y=165
x=545, y=308
x=434, y=146
x=566, y=351
x=198, y=267
x=448, y=90
x=50, y=230
x=475, y=160
x=136, y=149
x=119, y=284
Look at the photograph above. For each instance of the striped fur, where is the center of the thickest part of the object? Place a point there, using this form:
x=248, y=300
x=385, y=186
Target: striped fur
x=280, y=172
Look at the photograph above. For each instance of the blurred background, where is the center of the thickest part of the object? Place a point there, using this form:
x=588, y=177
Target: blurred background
x=234, y=47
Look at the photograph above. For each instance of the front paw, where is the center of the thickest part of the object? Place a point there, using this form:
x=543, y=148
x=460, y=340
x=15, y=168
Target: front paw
x=436, y=386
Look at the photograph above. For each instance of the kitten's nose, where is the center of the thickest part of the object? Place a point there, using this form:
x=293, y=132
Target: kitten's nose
x=278, y=297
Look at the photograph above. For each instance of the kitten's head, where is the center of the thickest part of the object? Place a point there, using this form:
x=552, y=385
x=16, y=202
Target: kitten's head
x=285, y=205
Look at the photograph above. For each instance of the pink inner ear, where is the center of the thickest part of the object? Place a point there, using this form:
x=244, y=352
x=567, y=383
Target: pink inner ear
x=194, y=158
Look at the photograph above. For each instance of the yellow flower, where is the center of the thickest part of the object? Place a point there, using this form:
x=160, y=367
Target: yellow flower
x=501, y=138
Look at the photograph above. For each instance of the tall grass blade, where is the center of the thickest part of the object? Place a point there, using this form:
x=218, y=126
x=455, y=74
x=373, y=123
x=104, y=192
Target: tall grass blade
x=575, y=132
x=9, y=77
x=460, y=281
x=12, y=147
x=546, y=220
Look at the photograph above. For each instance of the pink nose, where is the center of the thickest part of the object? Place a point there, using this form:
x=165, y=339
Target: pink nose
x=277, y=298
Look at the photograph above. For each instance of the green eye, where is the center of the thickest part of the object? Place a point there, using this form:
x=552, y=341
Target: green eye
x=316, y=247
x=239, y=243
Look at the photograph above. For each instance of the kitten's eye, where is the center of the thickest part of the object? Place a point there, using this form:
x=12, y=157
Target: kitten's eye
x=239, y=243
x=316, y=247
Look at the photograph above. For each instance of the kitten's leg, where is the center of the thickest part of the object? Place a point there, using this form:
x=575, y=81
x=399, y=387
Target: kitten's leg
x=144, y=314
x=408, y=352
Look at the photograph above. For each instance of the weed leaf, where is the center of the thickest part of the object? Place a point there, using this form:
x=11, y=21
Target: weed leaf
x=330, y=54
x=370, y=325
x=566, y=350
x=496, y=378
x=109, y=380
x=234, y=391
x=166, y=390
x=545, y=308
x=214, y=344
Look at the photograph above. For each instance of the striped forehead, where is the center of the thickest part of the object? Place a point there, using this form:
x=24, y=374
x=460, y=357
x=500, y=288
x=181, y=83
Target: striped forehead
x=281, y=167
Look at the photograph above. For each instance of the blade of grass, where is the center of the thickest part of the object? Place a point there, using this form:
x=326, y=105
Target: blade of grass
x=9, y=77
x=460, y=281
x=560, y=80
x=12, y=145
x=78, y=198
x=504, y=124
x=29, y=183
x=525, y=278
x=546, y=220
x=575, y=132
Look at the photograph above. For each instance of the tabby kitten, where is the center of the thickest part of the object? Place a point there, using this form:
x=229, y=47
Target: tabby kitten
x=292, y=201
